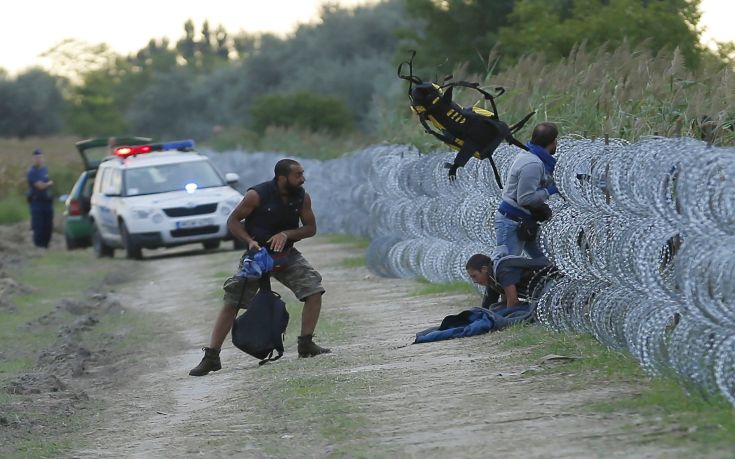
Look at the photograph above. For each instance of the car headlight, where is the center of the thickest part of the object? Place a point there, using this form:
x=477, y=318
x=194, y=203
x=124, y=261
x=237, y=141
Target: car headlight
x=226, y=207
x=157, y=218
x=141, y=213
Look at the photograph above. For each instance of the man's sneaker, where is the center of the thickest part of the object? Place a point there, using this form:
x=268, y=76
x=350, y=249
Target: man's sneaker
x=308, y=348
x=210, y=362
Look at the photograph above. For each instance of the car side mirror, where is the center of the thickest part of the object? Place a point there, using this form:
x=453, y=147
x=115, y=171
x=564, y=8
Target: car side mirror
x=63, y=197
x=232, y=178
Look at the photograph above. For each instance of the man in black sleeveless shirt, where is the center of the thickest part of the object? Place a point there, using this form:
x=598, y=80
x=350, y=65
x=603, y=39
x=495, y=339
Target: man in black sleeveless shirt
x=272, y=211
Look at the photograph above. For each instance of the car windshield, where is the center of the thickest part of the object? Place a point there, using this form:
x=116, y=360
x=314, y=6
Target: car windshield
x=163, y=178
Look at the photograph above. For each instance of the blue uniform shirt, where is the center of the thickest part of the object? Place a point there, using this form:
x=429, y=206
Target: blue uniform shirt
x=36, y=174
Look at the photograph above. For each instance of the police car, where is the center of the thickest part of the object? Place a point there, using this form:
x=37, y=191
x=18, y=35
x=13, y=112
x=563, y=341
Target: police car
x=160, y=195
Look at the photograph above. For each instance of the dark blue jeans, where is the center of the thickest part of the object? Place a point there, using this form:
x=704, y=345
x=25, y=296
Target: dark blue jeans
x=42, y=223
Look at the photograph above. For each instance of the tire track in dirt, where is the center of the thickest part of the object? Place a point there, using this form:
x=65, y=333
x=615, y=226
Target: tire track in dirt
x=374, y=397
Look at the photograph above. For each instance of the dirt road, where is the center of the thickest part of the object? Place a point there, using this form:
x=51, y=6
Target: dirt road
x=374, y=397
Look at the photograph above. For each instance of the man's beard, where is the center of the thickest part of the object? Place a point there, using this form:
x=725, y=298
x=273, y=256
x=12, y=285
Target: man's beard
x=293, y=189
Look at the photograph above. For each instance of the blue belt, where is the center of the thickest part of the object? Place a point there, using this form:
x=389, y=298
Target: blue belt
x=512, y=213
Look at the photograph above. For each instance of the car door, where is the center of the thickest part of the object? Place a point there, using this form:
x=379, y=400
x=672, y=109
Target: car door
x=104, y=202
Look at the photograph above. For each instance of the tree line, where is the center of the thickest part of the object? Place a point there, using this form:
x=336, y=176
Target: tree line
x=335, y=75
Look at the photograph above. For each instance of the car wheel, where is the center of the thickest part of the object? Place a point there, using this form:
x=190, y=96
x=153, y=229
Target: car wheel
x=71, y=243
x=132, y=250
x=211, y=245
x=98, y=244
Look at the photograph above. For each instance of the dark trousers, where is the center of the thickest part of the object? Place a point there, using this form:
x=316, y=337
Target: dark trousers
x=42, y=223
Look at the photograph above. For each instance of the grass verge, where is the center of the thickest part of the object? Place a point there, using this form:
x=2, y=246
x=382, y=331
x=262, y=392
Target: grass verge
x=353, y=262
x=13, y=209
x=708, y=422
x=356, y=241
x=43, y=424
x=443, y=288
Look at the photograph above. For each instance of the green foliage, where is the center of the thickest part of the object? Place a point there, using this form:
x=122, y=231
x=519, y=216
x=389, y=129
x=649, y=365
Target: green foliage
x=626, y=92
x=305, y=144
x=31, y=104
x=553, y=28
x=455, y=32
x=208, y=82
x=170, y=106
x=95, y=112
x=303, y=110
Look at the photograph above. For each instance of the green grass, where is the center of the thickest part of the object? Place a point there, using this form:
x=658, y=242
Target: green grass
x=709, y=422
x=38, y=446
x=356, y=241
x=353, y=262
x=329, y=329
x=326, y=396
x=55, y=276
x=222, y=275
x=13, y=209
x=444, y=288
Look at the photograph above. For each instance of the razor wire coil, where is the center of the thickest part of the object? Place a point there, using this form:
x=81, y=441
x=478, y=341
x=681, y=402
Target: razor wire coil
x=643, y=234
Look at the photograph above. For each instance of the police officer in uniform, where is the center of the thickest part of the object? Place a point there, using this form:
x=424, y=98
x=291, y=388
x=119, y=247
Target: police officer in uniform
x=272, y=211
x=40, y=199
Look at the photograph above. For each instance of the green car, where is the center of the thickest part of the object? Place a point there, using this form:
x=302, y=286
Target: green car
x=77, y=227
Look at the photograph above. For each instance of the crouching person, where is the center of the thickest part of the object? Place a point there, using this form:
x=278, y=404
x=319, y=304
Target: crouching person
x=272, y=211
x=508, y=278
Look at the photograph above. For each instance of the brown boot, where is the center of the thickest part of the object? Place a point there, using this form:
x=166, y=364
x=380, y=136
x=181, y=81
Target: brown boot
x=308, y=348
x=210, y=362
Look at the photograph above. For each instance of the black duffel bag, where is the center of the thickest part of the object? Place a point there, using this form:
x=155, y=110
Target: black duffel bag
x=259, y=330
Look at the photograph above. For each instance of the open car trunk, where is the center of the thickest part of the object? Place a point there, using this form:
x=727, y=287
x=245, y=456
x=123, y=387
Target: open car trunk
x=93, y=151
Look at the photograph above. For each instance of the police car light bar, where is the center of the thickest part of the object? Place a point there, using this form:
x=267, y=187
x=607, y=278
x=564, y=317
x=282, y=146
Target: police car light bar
x=125, y=151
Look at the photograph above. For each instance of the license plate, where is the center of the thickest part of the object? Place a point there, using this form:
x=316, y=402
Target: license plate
x=195, y=223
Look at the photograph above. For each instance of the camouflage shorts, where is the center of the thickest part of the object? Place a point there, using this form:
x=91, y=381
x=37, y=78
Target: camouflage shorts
x=299, y=277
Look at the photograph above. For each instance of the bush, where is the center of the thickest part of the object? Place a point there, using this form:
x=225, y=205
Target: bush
x=302, y=110
x=293, y=141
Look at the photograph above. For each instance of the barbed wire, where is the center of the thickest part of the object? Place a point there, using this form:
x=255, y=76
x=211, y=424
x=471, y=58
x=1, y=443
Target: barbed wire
x=643, y=233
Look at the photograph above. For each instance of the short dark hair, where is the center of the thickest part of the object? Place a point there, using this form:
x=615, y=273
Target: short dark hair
x=544, y=134
x=283, y=167
x=478, y=261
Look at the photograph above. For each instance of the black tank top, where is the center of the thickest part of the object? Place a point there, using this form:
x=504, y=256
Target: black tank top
x=273, y=215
